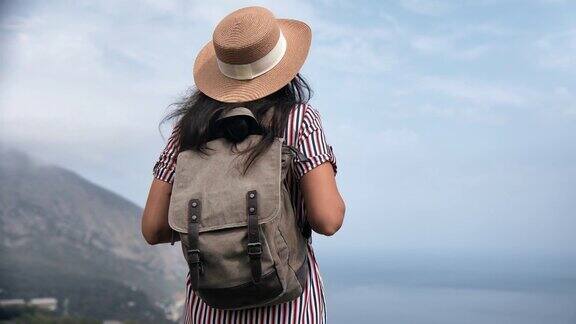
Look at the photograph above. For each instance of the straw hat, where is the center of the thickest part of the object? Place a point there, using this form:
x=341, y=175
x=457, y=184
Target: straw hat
x=252, y=54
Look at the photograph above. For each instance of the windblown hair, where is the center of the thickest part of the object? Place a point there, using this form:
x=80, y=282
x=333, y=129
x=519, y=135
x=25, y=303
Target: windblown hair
x=197, y=115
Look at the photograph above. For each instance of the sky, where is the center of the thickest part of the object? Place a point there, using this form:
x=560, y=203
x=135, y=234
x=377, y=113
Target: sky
x=453, y=122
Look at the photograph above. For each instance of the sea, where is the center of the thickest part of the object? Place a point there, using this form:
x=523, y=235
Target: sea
x=449, y=288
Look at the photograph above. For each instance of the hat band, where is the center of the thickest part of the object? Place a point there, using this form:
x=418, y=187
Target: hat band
x=251, y=70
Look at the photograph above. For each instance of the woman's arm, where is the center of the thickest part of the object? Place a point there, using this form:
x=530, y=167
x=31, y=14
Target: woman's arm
x=324, y=206
x=155, y=228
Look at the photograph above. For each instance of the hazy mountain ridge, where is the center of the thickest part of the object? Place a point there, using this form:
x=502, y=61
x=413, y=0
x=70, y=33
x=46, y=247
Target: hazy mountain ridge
x=60, y=233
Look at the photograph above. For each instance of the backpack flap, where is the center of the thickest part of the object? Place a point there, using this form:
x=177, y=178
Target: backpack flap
x=217, y=181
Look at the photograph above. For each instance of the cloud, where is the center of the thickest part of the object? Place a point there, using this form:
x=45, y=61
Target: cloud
x=397, y=138
x=446, y=46
x=405, y=97
x=465, y=100
x=427, y=7
x=563, y=102
x=357, y=51
x=468, y=42
x=554, y=1
x=558, y=50
x=474, y=91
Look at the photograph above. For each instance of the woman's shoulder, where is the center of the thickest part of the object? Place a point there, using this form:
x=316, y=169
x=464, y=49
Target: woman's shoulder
x=304, y=118
x=307, y=134
x=295, y=122
x=304, y=112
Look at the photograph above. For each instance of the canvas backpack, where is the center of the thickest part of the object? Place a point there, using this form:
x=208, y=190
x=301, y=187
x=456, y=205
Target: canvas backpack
x=239, y=232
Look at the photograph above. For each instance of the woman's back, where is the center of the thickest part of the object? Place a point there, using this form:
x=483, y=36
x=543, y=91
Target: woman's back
x=304, y=131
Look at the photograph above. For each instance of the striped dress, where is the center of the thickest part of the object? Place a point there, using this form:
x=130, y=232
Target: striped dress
x=304, y=131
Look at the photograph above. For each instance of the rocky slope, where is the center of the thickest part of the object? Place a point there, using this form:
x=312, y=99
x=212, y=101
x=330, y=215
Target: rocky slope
x=65, y=237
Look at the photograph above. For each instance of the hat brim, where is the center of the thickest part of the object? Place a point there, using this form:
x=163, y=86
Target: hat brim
x=216, y=85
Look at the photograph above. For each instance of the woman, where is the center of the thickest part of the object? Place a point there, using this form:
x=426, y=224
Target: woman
x=253, y=62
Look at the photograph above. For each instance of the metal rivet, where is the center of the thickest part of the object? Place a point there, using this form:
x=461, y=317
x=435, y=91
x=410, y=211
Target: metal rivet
x=194, y=217
x=194, y=204
x=252, y=195
x=252, y=209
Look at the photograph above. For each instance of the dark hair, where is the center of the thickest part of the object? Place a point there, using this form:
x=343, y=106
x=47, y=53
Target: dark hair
x=197, y=116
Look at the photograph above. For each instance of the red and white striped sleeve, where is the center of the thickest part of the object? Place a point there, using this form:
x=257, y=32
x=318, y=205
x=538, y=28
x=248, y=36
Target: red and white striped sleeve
x=312, y=143
x=166, y=164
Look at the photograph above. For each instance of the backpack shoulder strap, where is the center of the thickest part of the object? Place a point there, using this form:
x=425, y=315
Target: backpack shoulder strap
x=238, y=111
x=228, y=125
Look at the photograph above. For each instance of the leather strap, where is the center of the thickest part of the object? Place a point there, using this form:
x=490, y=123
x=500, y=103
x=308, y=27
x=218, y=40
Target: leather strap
x=254, y=246
x=194, y=262
x=304, y=225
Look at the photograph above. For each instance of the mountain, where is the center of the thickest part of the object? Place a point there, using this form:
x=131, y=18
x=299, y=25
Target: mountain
x=62, y=236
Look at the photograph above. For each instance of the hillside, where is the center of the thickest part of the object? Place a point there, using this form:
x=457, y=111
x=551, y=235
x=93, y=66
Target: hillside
x=62, y=236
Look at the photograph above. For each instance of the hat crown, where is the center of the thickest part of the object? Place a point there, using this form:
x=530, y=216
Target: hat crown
x=245, y=35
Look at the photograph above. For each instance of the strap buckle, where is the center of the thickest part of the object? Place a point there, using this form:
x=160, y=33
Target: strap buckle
x=194, y=259
x=194, y=252
x=255, y=249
